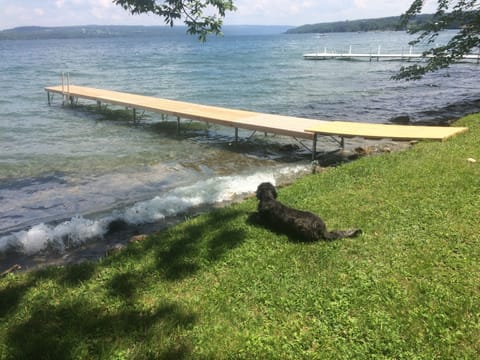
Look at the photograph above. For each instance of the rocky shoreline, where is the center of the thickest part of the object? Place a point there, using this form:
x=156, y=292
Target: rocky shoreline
x=121, y=234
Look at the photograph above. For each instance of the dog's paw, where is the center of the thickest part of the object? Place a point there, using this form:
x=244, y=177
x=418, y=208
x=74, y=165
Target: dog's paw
x=254, y=219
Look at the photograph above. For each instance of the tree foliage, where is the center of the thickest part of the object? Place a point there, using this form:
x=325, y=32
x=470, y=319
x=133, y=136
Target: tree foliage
x=202, y=17
x=391, y=23
x=466, y=40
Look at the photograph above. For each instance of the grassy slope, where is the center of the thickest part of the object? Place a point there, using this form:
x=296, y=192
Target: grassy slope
x=220, y=287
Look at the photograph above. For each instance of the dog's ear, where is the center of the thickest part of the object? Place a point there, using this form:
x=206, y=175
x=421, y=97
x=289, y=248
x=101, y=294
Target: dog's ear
x=260, y=191
x=274, y=191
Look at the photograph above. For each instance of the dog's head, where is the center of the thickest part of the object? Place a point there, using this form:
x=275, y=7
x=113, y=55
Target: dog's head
x=266, y=191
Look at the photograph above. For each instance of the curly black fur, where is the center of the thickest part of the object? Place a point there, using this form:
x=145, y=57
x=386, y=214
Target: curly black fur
x=303, y=224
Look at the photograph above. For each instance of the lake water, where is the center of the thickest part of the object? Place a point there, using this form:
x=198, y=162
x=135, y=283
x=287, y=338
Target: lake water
x=66, y=173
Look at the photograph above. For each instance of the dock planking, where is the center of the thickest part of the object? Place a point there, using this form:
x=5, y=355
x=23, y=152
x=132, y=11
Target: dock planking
x=383, y=131
x=296, y=127
x=278, y=124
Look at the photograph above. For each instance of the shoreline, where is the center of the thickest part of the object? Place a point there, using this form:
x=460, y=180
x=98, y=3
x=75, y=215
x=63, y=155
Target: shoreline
x=120, y=234
x=221, y=285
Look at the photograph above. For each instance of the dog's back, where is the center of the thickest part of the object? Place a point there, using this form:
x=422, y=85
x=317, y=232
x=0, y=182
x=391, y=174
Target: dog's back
x=304, y=224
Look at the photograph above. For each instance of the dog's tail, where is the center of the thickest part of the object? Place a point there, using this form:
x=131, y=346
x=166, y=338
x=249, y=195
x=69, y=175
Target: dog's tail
x=340, y=234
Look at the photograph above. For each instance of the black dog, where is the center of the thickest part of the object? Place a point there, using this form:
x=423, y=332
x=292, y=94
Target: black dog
x=304, y=224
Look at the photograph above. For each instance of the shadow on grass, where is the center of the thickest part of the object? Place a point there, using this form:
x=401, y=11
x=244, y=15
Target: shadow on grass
x=11, y=296
x=92, y=310
x=80, y=330
x=70, y=276
x=184, y=252
x=56, y=325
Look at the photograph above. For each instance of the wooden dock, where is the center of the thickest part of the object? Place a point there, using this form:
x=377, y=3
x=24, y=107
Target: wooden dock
x=325, y=55
x=298, y=128
x=386, y=131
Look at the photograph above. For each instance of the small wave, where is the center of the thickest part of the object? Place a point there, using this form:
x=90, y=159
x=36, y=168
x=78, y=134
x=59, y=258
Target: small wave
x=79, y=230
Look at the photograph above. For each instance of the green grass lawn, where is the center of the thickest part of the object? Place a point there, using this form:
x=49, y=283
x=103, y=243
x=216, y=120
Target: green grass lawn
x=218, y=286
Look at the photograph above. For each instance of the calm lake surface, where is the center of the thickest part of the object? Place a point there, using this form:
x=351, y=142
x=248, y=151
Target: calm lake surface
x=66, y=174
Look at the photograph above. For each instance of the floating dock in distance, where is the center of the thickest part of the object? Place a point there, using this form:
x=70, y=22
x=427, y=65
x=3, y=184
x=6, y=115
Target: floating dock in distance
x=307, y=129
x=471, y=58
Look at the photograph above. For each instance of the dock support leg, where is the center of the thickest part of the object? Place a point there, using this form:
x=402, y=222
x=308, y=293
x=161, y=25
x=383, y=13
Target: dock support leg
x=178, y=125
x=99, y=105
x=134, y=115
x=342, y=142
x=314, y=147
x=236, y=134
x=49, y=99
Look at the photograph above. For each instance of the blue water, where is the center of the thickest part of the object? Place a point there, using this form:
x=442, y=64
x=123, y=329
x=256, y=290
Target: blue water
x=65, y=173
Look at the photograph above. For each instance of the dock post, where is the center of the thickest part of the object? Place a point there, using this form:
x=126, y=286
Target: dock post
x=134, y=115
x=63, y=88
x=69, y=97
x=342, y=142
x=48, y=97
x=314, y=147
x=236, y=134
x=178, y=125
x=99, y=105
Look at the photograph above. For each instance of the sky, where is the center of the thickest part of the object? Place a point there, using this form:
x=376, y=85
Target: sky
x=14, y=13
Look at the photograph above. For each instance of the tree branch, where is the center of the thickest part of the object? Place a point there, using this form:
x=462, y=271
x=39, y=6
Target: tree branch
x=191, y=11
x=464, y=13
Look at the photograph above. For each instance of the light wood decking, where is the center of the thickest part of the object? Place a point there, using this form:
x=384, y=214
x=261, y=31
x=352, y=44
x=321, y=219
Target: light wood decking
x=277, y=124
x=386, y=131
x=296, y=127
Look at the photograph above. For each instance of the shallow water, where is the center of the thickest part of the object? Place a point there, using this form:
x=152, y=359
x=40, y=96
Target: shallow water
x=66, y=173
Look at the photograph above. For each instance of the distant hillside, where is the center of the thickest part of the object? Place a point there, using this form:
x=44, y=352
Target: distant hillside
x=74, y=32
x=107, y=31
x=380, y=24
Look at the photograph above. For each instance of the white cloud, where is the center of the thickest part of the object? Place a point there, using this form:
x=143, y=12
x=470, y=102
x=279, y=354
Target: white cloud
x=309, y=11
x=39, y=12
x=361, y=4
x=258, y=12
x=106, y=4
x=13, y=10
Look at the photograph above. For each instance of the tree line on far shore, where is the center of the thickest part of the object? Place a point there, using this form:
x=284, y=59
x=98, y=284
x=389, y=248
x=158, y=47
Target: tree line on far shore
x=392, y=23
x=205, y=17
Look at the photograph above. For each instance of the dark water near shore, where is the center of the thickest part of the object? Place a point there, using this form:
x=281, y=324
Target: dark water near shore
x=65, y=174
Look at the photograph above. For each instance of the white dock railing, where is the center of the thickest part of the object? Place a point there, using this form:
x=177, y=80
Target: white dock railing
x=332, y=55
x=65, y=87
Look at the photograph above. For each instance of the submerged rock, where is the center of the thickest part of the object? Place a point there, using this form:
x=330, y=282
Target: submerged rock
x=137, y=238
x=117, y=225
x=403, y=119
x=115, y=249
